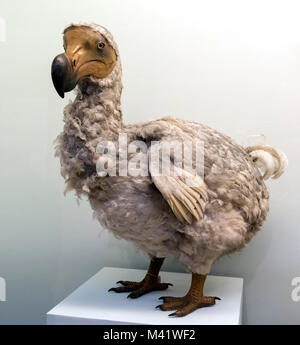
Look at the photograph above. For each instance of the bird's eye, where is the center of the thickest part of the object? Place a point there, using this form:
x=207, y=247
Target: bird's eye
x=101, y=45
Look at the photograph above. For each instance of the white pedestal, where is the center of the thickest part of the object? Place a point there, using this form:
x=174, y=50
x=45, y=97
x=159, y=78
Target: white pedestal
x=92, y=304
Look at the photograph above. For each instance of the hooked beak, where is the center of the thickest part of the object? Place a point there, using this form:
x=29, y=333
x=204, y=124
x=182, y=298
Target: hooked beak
x=63, y=76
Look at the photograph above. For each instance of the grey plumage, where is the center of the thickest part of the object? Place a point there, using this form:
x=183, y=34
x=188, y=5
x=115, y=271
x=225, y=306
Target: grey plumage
x=232, y=207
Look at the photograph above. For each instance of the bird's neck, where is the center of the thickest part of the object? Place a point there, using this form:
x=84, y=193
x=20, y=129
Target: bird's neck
x=93, y=117
x=96, y=114
x=101, y=103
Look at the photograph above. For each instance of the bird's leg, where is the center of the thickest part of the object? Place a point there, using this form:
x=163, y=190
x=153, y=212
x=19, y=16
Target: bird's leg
x=193, y=300
x=151, y=281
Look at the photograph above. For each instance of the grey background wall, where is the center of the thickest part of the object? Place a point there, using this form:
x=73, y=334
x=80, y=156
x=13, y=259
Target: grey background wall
x=234, y=65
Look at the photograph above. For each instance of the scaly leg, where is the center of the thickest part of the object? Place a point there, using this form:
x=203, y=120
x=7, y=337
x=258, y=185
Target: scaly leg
x=151, y=282
x=193, y=300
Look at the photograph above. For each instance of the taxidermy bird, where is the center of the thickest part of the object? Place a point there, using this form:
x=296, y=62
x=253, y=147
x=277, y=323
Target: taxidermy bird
x=196, y=218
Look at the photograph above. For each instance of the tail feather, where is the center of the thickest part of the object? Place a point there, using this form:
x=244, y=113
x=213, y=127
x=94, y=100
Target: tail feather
x=273, y=162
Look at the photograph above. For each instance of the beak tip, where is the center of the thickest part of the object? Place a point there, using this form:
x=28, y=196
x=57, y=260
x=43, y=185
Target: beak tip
x=60, y=74
x=61, y=94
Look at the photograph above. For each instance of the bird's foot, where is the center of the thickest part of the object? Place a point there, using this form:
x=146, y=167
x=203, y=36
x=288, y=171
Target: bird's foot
x=187, y=304
x=138, y=289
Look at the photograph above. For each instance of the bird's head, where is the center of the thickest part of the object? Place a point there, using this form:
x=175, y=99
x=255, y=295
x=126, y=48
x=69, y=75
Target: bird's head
x=90, y=52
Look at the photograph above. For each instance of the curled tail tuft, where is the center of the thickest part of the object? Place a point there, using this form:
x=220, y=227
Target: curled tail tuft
x=272, y=161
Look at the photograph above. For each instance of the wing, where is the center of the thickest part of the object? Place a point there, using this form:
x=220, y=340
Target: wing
x=185, y=192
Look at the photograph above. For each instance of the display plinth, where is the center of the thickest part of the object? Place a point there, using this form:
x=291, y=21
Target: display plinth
x=92, y=304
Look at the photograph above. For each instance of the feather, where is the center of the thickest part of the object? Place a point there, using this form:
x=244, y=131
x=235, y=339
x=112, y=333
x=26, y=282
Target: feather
x=185, y=193
x=271, y=160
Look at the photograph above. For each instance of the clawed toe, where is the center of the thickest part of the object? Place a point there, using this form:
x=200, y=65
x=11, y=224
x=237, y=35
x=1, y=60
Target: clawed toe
x=123, y=288
x=170, y=299
x=148, y=288
x=128, y=283
x=185, y=305
x=137, y=293
x=138, y=289
x=185, y=310
x=171, y=305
